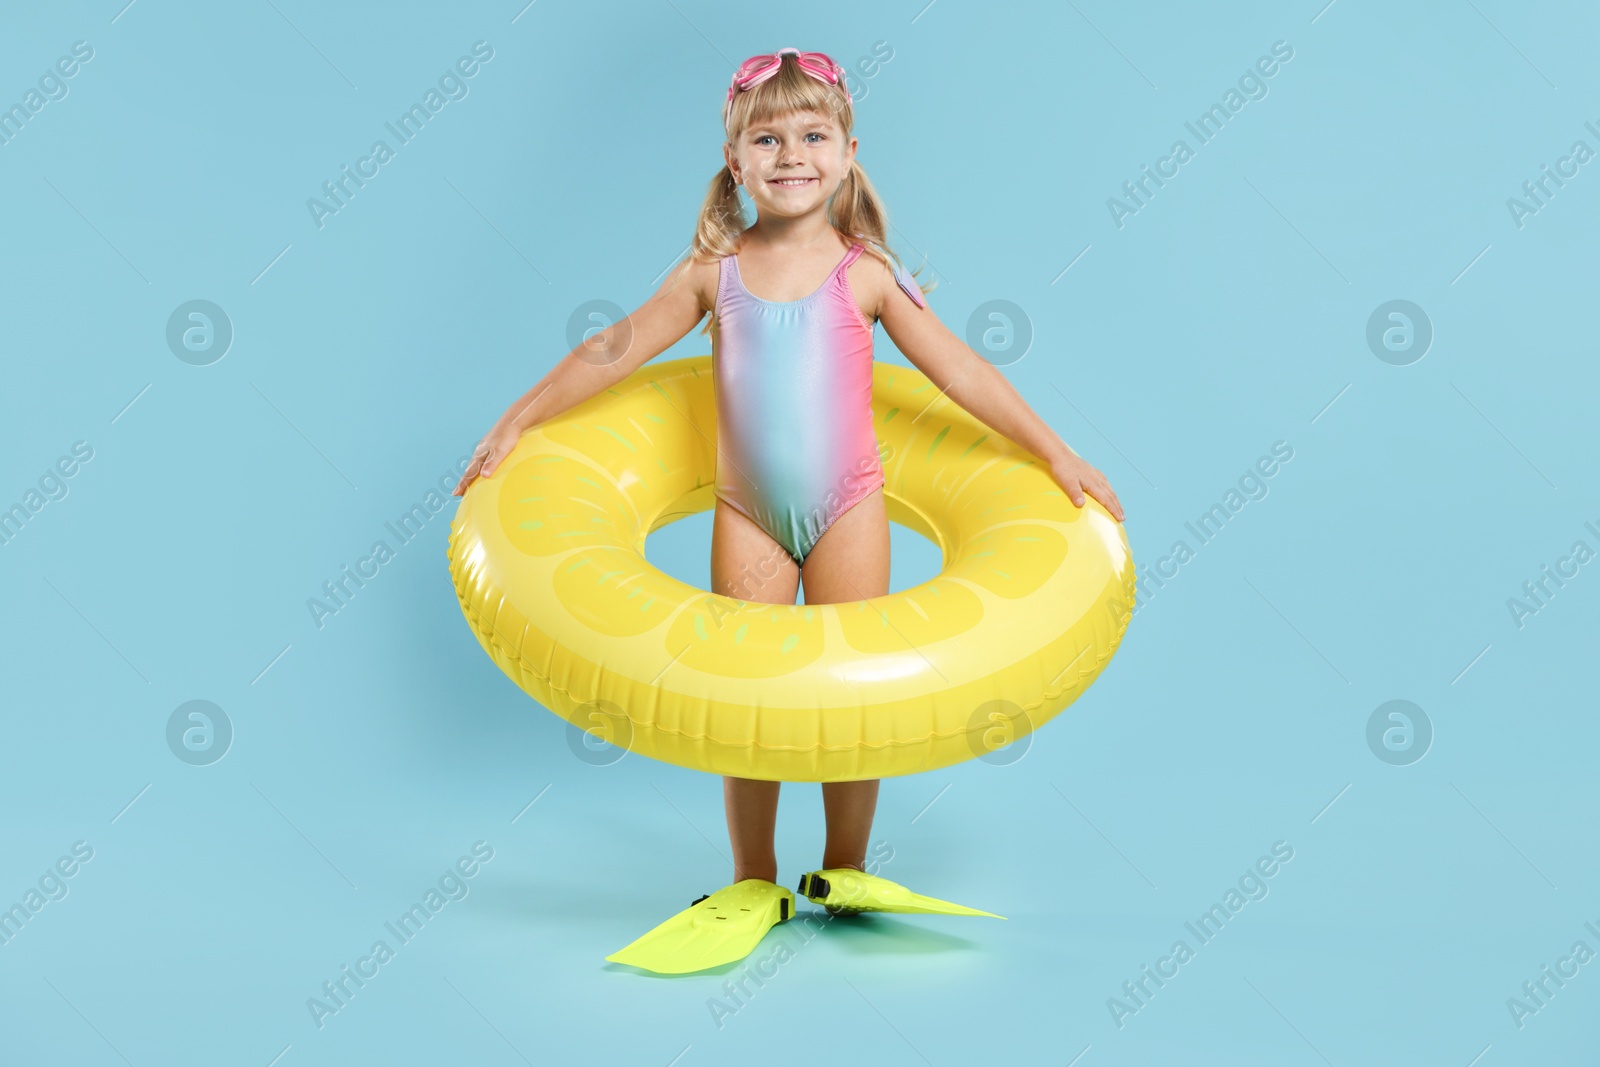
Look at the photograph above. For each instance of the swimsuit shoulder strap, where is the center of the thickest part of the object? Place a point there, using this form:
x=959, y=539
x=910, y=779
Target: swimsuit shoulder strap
x=837, y=280
x=909, y=284
x=906, y=282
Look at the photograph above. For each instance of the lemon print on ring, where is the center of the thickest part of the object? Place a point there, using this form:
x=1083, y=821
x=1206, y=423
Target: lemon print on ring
x=547, y=557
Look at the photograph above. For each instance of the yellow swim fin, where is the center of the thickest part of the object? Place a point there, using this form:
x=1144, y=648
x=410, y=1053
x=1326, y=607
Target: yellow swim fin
x=844, y=891
x=719, y=928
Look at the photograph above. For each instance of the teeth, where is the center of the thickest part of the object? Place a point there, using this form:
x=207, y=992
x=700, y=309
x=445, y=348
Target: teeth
x=792, y=181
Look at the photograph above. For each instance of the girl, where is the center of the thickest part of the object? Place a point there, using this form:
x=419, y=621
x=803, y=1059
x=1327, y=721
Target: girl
x=799, y=484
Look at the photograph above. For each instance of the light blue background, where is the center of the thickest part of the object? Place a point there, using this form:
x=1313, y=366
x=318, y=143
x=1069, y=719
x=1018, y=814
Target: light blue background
x=1228, y=314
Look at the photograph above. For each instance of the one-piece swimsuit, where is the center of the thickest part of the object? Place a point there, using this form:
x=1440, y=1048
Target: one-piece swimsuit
x=793, y=385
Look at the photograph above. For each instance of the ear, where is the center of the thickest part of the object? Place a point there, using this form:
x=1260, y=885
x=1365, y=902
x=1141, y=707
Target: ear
x=732, y=161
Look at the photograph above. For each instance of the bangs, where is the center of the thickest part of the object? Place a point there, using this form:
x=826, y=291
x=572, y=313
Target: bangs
x=791, y=89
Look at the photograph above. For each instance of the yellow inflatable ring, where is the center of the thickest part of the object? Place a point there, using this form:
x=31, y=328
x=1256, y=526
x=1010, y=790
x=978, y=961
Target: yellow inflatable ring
x=547, y=556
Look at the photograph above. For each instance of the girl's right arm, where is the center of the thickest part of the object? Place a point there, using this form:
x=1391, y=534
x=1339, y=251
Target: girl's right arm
x=601, y=362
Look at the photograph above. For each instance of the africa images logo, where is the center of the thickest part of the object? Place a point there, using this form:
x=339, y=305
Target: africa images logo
x=411, y=122
x=1205, y=128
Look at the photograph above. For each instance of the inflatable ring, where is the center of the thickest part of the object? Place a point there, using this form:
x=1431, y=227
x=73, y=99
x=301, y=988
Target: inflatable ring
x=547, y=556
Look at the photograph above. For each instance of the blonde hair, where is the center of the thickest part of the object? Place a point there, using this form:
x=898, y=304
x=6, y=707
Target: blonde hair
x=855, y=210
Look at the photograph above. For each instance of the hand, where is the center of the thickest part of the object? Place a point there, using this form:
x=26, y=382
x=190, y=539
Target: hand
x=495, y=446
x=1074, y=474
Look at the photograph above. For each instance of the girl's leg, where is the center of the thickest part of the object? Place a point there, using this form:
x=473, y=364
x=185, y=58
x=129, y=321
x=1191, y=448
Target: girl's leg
x=749, y=565
x=850, y=562
x=848, y=807
x=752, y=808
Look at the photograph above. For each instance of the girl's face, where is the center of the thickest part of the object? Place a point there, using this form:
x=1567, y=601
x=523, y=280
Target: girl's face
x=791, y=165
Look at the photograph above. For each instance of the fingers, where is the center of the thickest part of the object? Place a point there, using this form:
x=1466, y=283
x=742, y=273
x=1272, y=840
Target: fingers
x=477, y=467
x=1101, y=491
x=1094, y=483
x=1108, y=499
x=1114, y=505
x=1078, y=478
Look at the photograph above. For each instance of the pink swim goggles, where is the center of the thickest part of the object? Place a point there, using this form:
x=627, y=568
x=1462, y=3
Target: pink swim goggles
x=757, y=69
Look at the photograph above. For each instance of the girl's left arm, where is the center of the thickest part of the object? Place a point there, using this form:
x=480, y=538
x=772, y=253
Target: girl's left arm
x=979, y=387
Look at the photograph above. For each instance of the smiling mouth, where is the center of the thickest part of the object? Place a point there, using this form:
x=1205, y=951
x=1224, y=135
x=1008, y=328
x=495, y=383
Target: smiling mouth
x=791, y=183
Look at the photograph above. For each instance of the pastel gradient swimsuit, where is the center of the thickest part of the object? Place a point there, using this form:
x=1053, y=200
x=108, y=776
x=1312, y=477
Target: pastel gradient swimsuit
x=793, y=384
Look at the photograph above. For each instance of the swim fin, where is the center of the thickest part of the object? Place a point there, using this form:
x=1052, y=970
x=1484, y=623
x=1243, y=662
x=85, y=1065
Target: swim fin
x=845, y=891
x=719, y=928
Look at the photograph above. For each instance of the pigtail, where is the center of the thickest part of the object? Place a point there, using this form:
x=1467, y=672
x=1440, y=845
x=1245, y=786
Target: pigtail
x=716, y=234
x=856, y=211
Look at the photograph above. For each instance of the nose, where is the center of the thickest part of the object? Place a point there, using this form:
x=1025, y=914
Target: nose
x=790, y=156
